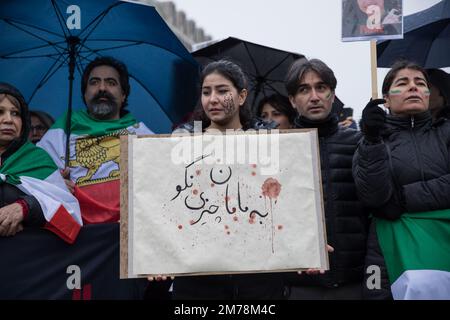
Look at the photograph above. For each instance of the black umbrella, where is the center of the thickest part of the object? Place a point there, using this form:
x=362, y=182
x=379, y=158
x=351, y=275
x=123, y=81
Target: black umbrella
x=265, y=67
x=426, y=39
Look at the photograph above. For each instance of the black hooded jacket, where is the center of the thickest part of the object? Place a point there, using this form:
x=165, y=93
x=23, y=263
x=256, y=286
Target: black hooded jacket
x=409, y=171
x=8, y=193
x=346, y=222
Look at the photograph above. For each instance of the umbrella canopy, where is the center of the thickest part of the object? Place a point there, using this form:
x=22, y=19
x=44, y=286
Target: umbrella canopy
x=426, y=39
x=265, y=67
x=41, y=39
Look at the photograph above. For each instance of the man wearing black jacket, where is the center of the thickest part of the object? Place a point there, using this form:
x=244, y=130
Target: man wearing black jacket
x=311, y=86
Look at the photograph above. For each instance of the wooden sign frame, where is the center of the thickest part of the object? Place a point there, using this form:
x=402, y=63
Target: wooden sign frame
x=125, y=198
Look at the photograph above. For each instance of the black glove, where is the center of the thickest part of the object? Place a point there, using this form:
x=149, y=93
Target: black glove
x=373, y=119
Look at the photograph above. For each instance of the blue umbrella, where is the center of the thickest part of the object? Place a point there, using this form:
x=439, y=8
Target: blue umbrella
x=44, y=42
x=426, y=39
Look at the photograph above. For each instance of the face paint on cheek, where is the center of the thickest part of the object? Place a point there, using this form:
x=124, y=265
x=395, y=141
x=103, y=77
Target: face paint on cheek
x=328, y=95
x=395, y=92
x=426, y=92
x=228, y=104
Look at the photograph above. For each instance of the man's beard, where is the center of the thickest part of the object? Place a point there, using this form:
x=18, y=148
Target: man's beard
x=103, y=110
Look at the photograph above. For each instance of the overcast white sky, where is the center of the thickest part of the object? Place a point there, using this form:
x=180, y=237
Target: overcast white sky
x=309, y=27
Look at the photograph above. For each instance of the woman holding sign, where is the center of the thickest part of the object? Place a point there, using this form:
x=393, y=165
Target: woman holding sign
x=223, y=102
x=402, y=172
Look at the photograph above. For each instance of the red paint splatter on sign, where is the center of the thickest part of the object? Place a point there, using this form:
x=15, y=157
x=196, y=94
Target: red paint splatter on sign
x=280, y=227
x=253, y=173
x=235, y=218
x=198, y=172
x=180, y=226
x=195, y=191
x=271, y=188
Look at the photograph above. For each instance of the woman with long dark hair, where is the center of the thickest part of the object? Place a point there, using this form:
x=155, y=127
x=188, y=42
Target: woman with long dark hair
x=223, y=102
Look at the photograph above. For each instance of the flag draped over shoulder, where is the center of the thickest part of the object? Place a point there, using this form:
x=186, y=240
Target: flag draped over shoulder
x=31, y=170
x=93, y=161
x=416, y=249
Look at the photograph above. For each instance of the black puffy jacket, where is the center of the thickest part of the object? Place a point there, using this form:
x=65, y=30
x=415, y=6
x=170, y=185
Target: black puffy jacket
x=409, y=169
x=346, y=222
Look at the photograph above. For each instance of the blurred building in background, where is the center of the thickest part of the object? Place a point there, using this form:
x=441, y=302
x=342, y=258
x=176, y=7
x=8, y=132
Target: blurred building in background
x=185, y=29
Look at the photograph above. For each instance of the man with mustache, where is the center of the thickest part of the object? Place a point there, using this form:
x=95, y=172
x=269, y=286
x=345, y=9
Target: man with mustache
x=311, y=88
x=93, y=170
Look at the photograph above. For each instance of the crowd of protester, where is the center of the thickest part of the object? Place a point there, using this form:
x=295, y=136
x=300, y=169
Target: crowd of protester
x=394, y=165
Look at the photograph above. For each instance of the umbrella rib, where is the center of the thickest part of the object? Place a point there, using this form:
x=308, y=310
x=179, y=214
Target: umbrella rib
x=110, y=48
x=83, y=57
x=60, y=19
x=13, y=22
x=47, y=76
x=97, y=21
x=6, y=56
x=35, y=56
x=79, y=66
x=134, y=43
x=80, y=58
x=100, y=18
x=273, y=88
x=34, y=35
x=273, y=81
x=91, y=52
x=251, y=58
x=278, y=64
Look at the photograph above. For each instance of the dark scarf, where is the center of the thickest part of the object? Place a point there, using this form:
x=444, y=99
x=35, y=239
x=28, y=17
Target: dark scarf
x=326, y=127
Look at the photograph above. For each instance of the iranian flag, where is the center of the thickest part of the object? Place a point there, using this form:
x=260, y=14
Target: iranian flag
x=93, y=161
x=31, y=170
x=416, y=250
